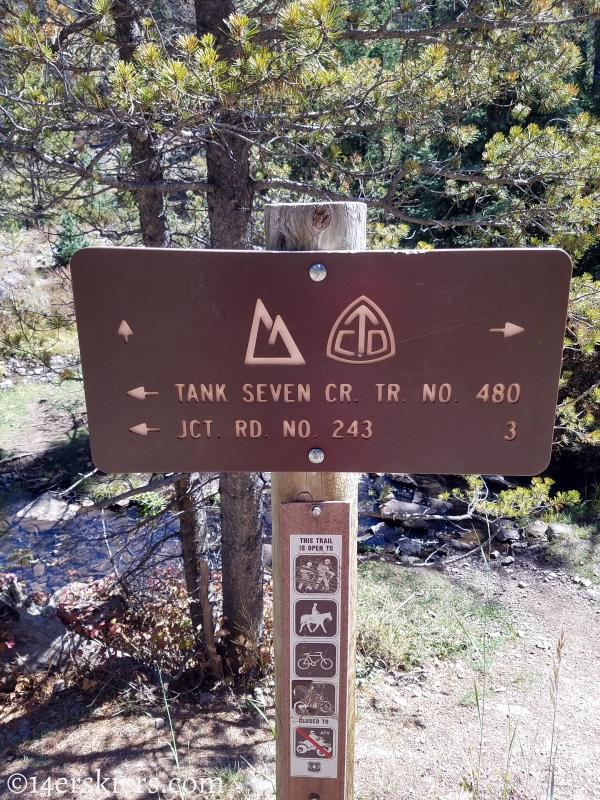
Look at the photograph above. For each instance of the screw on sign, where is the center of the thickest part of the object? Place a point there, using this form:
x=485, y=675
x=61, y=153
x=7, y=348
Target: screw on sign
x=348, y=364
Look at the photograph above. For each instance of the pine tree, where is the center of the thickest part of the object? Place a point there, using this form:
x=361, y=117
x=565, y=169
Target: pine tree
x=69, y=241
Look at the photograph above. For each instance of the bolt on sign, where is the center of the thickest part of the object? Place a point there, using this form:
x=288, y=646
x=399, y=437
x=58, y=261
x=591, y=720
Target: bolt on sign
x=315, y=658
x=440, y=361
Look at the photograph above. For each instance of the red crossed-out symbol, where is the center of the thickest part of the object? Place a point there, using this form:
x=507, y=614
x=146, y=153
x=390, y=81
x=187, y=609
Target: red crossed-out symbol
x=316, y=744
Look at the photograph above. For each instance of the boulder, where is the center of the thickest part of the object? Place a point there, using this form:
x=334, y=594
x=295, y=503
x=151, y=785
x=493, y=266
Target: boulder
x=558, y=529
x=267, y=554
x=420, y=523
x=48, y=508
x=401, y=477
x=537, y=529
x=409, y=547
x=399, y=508
x=439, y=506
x=505, y=532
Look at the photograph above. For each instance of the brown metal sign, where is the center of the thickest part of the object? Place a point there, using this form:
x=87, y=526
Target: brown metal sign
x=202, y=360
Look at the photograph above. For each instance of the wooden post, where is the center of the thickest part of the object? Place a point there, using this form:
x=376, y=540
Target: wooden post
x=313, y=226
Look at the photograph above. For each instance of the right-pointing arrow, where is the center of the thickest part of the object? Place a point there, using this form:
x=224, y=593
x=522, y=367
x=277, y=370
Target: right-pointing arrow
x=510, y=329
x=143, y=429
x=140, y=393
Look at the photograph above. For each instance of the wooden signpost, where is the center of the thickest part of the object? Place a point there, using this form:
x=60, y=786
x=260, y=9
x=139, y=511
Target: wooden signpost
x=312, y=362
x=332, y=515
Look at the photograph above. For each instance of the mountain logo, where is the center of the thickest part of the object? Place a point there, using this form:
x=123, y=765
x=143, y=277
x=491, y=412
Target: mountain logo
x=362, y=334
x=276, y=328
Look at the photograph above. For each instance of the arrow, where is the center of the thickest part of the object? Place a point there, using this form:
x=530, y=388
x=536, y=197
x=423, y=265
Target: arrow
x=140, y=393
x=125, y=331
x=510, y=329
x=362, y=312
x=142, y=429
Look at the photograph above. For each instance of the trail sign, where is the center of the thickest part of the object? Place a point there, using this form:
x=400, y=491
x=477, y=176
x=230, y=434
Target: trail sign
x=441, y=361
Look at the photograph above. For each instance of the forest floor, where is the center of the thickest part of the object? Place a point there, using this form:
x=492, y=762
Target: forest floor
x=417, y=736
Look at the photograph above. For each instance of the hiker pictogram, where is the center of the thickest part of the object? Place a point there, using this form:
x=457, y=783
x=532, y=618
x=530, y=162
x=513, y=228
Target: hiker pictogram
x=316, y=574
x=362, y=334
x=316, y=618
x=277, y=328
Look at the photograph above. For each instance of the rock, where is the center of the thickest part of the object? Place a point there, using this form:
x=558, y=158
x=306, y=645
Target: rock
x=259, y=696
x=159, y=723
x=39, y=569
x=401, y=477
x=585, y=582
x=12, y=278
x=409, y=547
x=379, y=529
x=416, y=524
x=495, y=554
x=507, y=560
x=206, y=698
x=59, y=686
x=459, y=668
x=498, y=479
x=536, y=530
x=439, y=506
x=521, y=584
x=410, y=559
x=6, y=384
x=267, y=555
x=47, y=508
x=505, y=532
x=593, y=594
x=399, y=508
x=558, y=529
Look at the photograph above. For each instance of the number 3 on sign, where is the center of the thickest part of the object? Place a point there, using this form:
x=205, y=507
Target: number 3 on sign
x=512, y=431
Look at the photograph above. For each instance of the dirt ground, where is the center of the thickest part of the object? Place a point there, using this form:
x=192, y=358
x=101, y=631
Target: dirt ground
x=416, y=737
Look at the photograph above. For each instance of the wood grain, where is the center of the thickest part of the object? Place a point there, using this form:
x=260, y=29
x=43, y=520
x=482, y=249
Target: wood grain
x=313, y=226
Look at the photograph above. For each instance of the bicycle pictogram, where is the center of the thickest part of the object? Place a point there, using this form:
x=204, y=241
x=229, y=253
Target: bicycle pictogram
x=313, y=660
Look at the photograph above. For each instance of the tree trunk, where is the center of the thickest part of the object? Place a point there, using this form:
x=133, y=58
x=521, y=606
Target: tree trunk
x=146, y=155
x=242, y=563
x=192, y=530
x=147, y=161
x=229, y=200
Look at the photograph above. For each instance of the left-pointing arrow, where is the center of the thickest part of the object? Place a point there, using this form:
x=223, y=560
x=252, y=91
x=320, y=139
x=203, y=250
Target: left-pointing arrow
x=125, y=331
x=140, y=393
x=143, y=429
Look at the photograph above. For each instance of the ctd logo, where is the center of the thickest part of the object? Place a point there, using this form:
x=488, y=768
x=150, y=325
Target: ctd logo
x=362, y=334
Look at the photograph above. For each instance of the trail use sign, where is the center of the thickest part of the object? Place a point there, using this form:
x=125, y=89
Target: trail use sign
x=441, y=361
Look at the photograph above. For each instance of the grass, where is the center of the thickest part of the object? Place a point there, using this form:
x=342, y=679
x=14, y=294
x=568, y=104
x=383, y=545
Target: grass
x=17, y=406
x=406, y=616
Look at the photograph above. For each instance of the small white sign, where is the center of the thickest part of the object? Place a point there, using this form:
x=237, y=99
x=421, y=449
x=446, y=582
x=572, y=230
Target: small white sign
x=315, y=596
